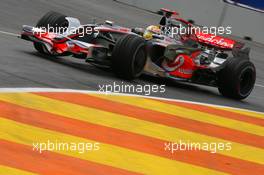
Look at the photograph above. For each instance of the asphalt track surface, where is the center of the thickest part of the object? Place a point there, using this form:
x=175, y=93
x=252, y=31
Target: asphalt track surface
x=22, y=66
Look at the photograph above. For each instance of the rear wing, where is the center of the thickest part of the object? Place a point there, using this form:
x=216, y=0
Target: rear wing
x=169, y=11
x=174, y=14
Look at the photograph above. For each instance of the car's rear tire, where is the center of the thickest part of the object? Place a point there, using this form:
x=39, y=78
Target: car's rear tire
x=129, y=57
x=237, y=79
x=50, y=20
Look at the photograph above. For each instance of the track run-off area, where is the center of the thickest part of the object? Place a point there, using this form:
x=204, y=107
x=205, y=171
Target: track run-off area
x=132, y=131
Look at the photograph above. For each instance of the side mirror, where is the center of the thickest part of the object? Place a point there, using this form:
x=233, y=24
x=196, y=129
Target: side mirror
x=110, y=23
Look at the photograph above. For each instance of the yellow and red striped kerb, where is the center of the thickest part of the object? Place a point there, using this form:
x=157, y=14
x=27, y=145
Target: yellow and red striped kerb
x=131, y=131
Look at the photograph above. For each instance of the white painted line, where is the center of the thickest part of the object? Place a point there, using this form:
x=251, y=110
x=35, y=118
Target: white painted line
x=9, y=33
x=28, y=90
x=259, y=85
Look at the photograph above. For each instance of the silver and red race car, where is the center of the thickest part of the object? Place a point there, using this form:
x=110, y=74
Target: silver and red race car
x=196, y=58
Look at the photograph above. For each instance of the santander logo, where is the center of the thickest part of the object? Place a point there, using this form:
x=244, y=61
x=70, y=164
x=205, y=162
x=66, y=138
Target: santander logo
x=216, y=40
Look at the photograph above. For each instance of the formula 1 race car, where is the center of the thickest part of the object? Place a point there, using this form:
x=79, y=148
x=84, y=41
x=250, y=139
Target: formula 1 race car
x=196, y=58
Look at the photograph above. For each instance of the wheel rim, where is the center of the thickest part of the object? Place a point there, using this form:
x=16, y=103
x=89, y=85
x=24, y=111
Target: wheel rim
x=246, y=81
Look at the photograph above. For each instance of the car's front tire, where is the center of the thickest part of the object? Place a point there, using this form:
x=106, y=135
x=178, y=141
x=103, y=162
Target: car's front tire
x=51, y=20
x=129, y=57
x=237, y=79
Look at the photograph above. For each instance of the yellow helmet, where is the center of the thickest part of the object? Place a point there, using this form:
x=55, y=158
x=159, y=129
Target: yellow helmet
x=148, y=35
x=154, y=29
x=150, y=31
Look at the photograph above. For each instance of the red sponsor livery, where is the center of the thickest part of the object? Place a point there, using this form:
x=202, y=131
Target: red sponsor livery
x=215, y=40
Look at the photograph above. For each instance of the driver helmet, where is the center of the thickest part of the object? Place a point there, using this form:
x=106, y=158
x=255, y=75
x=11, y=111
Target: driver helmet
x=150, y=31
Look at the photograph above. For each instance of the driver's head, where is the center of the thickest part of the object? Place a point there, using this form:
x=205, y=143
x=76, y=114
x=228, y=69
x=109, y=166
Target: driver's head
x=150, y=31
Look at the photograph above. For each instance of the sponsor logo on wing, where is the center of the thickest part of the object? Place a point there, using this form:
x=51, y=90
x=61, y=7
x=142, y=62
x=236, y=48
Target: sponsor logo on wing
x=216, y=40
